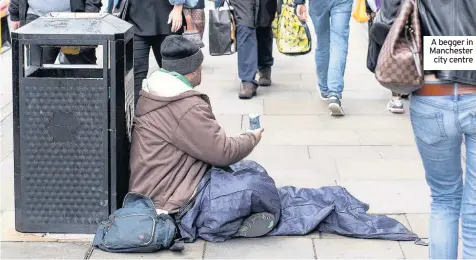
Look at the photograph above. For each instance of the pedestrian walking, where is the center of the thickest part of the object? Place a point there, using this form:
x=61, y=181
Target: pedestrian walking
x=395, y=105
x=331, y=20
x=443, y=114
x=255, y=43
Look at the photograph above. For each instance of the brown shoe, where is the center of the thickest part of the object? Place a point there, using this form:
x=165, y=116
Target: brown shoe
x=265, y=78
x=247, y=90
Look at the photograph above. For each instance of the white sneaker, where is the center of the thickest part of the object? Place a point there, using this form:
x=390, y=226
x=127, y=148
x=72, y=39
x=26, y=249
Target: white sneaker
x=395, y=106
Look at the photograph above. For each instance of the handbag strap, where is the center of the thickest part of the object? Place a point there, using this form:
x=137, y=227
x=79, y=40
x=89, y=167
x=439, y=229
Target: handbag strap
x=410, y=38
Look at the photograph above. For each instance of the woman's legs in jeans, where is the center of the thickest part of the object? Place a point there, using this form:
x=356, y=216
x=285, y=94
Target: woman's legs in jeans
x=331, y=19
x=439, y=124
x=468, y=206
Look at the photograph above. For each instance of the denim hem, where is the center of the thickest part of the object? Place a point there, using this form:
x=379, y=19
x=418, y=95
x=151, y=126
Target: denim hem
x=334, y=94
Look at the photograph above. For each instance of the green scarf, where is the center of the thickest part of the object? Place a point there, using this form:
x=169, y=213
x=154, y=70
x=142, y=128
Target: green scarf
x=179, y=76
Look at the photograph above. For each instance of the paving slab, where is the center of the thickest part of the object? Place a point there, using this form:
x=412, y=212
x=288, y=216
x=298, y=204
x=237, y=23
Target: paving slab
x=294, y=153
x=262, y=248
x=419, y=223
x=235, y=106
x=5, y=85
x=191, y=251
x=412, y=251
x=294, y=86
x=270, y=93
x=317, y=106
x=382, y=169
x=366, y=122
x=38, y=250
x=309, y=137
x=364, y=95
x=357, y=249
x=6, y=136
x=301, y=173
x=289, y=122
x=7, y=184
x=9, y=234
x=230, y=123
x=400, y=218
x=387, y=137
x=344, y=152
x=399, y=152
x=285, y=163
x=391, y=197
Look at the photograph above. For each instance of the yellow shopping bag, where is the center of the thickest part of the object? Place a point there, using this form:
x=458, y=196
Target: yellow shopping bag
x=360, y=13
x=292, y=36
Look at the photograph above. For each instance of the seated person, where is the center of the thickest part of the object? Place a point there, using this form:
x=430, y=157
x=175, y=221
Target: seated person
x=182, y=159
x=176, y=138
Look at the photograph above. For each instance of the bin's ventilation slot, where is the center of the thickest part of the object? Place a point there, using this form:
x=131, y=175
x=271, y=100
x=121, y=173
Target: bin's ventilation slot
x=51, y=61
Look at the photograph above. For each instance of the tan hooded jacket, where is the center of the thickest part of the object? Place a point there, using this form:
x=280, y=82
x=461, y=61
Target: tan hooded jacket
x=176, y=139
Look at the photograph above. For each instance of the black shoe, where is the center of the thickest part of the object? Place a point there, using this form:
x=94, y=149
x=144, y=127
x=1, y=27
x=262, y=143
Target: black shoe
x=265, y=78
x=257, y=225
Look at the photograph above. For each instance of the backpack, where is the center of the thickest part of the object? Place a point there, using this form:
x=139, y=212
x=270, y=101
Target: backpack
x=136, y=228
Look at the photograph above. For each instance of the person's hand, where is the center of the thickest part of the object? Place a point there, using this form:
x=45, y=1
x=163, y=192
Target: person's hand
x=301, y=12
x=175, y=18
x=257, y=133
x=3, y=8
x=15, y=24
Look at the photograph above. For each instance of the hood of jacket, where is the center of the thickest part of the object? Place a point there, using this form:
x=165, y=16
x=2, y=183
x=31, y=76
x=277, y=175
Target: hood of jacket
x=161, y=88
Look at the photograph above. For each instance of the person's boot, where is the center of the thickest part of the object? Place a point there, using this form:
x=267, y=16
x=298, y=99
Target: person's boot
x=256, y=225
x=265, y=77
x=247, y=90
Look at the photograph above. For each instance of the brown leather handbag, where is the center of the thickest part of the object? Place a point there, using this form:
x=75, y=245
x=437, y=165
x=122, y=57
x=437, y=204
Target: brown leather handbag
x=400, y=64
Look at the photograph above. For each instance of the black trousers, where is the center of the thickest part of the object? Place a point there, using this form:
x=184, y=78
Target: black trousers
x=6, y=40
x=142, y=45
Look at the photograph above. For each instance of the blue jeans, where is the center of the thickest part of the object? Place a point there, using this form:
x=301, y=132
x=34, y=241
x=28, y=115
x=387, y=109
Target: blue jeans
x=219, y=3
x=439, y=124
x=331, y=22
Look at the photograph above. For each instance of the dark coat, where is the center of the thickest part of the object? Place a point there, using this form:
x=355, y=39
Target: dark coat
x=437, y=18
x=150, y=17
x=254, y=13
x=19, y=8
x=449, y=18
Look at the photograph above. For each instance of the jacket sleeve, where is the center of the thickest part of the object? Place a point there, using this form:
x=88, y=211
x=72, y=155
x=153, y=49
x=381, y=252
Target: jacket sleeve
x=299, y=2
x=14, y=11
x=92, y=6
x=199, y=135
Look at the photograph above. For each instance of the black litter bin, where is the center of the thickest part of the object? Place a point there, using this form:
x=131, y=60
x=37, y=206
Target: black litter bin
x=72, y=123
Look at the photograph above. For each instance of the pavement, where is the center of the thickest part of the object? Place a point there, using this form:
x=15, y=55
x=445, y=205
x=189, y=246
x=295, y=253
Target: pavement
x=369, y=151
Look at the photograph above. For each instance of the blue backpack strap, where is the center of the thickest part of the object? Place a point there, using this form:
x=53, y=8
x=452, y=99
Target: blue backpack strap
x=133, y=200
